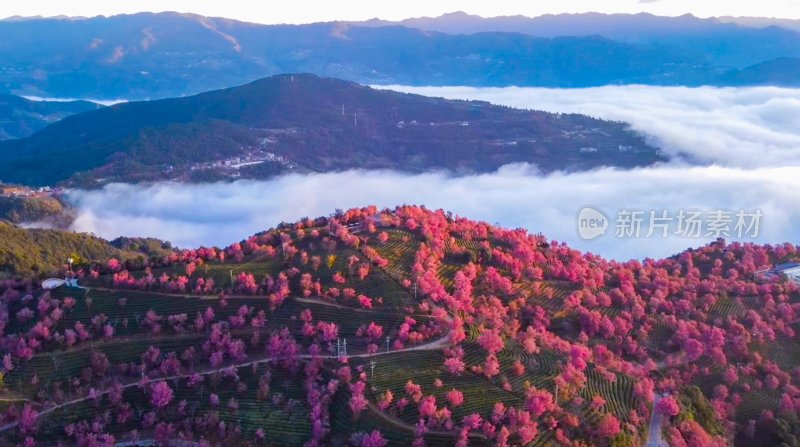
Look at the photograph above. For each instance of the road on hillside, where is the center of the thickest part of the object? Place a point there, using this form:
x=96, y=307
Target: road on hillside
x=654, y=438
x=431, y=345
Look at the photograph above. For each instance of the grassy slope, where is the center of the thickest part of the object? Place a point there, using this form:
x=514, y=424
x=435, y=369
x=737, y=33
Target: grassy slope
x=34, y=253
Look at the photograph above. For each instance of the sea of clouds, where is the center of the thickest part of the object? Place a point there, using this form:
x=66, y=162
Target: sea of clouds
x=734, y=149
x=738, y=127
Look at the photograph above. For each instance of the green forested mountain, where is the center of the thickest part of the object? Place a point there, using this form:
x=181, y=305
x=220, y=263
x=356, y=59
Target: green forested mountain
x=20, y=117
x=33, y=252
x=312, y=124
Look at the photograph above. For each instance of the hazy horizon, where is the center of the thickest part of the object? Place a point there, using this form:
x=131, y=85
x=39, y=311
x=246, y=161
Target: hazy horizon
x=303, y=12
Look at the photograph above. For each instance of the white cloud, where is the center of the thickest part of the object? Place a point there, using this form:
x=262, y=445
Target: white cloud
x=104, y=102
x=515, y=196
x=738, y=127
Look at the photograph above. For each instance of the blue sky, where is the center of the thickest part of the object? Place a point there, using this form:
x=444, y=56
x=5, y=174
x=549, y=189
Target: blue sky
x=304, y=11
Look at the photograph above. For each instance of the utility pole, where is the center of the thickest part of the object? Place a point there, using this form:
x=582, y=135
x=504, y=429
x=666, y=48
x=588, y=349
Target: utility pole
x=388, y=338
x=345, y=347
x=556, y=394
x=231, y=278
x=372, y=370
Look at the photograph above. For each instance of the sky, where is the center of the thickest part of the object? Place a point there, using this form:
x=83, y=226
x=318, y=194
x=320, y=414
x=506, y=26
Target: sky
x=305, y=11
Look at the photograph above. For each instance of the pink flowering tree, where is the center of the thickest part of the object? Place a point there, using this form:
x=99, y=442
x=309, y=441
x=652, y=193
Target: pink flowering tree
x=455, y=397
x=161, y=394
x=668, y=406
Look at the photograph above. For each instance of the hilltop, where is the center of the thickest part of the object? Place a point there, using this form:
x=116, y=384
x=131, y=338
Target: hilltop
x=36, y=253
x=405, y=327
x=303, y=123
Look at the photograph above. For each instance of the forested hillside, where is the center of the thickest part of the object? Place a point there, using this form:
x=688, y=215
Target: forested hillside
x=407, y=327
x=33, y=253
x=304, y=123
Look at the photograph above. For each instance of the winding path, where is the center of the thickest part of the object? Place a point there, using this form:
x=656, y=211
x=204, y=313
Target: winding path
x=431, y=345
x=406, y=426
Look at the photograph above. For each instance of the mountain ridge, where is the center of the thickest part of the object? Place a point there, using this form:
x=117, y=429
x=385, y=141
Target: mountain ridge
x=175, y=54
x=686, y=32
x=21, y=117
x=313, y=124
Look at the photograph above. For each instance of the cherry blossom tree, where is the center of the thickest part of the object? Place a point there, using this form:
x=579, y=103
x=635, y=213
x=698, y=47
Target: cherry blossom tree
x=455, y=397
x=161, y=394
x=371, y=439
x=668, y=406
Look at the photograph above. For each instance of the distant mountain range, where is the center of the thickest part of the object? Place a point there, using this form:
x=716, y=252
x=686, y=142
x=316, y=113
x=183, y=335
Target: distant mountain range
x=726, y=42
x=303, y=123
x=147, y=55
x=20, y=117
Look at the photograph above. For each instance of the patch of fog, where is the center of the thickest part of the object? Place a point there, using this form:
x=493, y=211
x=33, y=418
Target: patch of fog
x=736, y=127
x=39, y=224
x=103, y=102
x=514, y=196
